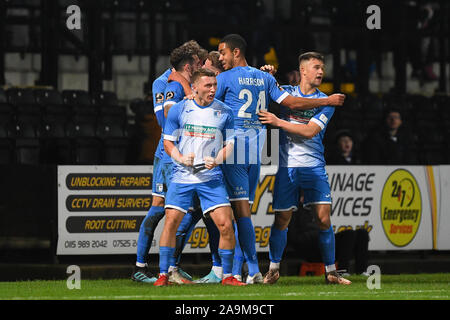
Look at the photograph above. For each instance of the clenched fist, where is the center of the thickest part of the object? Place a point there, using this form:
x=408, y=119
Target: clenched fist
x=336, y=99
x=188, y=160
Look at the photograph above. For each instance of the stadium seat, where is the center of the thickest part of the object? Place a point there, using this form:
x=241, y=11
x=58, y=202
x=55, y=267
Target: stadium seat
x=105, y=98
x=79, y=101
x=141, y=107
x=23, y=101
x=76, y=98
x=112, y=130
x=56, y=147
x=6, y=144
x=86, y=146
x=19, y=96
x=48, y=97
x=51, y=101
x=26, y=141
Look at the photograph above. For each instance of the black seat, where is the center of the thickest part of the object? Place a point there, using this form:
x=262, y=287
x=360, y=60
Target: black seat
x=48, y=97
x=141, y=107
x=27, y=145
x=105, y=98
x=23, y=101
x=113, y=132
x=76, y=98
x=51, y=101
x=56, y=146
x=19, y=96
x=79, y=101
x=86, y=146
x=7, y=150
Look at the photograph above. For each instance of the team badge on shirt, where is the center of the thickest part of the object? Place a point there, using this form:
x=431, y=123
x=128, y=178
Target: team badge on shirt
x=159, y=97
x=170, y=95
x=217, y=113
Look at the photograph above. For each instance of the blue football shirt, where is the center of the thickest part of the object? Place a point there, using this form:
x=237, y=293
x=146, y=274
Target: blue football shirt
x=158, y=89
x=295, y=150
x=247, y=90
x=202, y=130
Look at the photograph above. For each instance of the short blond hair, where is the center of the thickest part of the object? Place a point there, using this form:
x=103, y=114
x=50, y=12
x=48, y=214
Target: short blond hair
x=310, y=55
x=203, y=72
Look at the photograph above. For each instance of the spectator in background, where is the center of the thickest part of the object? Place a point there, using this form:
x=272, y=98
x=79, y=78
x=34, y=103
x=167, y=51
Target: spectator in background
x=390, y=143
x=344, y=150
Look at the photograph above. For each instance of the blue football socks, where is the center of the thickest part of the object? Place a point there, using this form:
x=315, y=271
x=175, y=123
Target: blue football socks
x=226, y=255
x=247, y=241
x=238, y=255
x=214, y=237
x=277, y=242
x=146, y=232
x=165, y=255
x=327, y=247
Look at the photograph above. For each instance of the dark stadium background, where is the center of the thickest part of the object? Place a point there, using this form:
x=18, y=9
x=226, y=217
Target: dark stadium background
x=81, y=96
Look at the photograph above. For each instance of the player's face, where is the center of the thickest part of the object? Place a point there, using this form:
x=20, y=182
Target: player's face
x=226, y=56
x=313, y=71
x=208, y=65
x=205, y=89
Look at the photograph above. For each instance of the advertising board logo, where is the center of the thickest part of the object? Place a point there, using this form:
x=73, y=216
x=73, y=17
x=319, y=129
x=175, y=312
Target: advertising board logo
x=401, y=207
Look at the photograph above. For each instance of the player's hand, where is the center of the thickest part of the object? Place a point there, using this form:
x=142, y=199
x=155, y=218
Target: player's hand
x=336, y=99
x=188, y=160
x=268, y=68
x=210, y=162
x=268, y=118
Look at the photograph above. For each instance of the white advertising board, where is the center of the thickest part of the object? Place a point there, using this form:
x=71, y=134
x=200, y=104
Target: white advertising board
x=100, y=208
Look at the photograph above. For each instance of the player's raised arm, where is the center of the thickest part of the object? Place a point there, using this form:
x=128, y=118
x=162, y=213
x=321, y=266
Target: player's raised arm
x=305, y=130
x=300, y=103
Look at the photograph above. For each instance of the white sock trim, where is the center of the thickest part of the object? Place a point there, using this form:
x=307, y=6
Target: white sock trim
x=330, y=268
x=172, y=268
x=218, y=271
x=140, y=265
x=274, y=266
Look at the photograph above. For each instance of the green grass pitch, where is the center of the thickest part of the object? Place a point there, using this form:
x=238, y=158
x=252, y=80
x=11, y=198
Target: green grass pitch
x=393, y=287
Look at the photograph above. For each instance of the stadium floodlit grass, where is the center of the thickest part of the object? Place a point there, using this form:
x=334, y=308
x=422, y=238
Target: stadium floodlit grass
x=393, y=287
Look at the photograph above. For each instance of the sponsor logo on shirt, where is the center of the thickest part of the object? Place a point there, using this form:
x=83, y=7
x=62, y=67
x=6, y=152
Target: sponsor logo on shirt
x=198, y=131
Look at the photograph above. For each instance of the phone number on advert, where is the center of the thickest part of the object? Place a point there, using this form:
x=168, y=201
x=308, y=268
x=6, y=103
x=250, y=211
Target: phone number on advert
x=72, y=244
